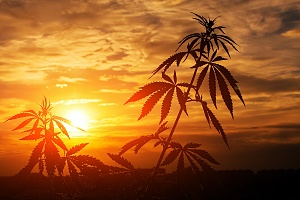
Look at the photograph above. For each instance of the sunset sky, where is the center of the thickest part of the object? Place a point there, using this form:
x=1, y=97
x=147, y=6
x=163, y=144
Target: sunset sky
x=90, y=56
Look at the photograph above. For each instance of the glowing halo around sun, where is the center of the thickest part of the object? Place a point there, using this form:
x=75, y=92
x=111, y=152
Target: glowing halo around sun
x=78, y=119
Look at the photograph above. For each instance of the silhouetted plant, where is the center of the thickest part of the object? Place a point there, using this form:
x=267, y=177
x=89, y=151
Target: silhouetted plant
x=203, y=48
x=51, y=154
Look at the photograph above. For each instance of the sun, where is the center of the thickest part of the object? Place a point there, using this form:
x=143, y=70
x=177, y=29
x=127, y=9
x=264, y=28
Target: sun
x=78, y=119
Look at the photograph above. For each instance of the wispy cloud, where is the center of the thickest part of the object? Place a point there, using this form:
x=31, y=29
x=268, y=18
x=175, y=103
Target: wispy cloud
x=107, y=104
x=70, y=80
x=61, y=85
x=76, y=101
x=28, y=77
x=114, y=91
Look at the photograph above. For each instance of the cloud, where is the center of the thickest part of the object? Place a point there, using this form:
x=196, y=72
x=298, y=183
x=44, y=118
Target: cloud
x=70, y=80
x=273, y=85
x=270, y=134
x=28, y=77
x=116, y=56
x=76, y=101
x=61, y=85
x=290, y=20
x=292, y=33
x=107, y=104
x=114, y=91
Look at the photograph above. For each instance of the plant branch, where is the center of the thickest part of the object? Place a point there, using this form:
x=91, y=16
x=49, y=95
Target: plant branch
x=165, y=147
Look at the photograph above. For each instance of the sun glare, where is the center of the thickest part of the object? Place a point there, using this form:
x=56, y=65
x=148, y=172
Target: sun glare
x=78, y=119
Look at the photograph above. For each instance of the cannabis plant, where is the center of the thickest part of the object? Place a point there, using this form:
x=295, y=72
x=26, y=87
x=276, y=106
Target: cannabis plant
x=204, y=49
x=51, y=154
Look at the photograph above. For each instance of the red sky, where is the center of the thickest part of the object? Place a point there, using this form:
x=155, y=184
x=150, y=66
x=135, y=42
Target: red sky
x=93, y=55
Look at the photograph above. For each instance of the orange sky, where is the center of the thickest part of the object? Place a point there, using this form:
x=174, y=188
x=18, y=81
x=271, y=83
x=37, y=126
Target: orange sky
x=93, y=55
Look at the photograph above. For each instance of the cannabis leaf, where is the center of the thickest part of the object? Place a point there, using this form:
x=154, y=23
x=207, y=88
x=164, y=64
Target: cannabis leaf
x=171, y=156
x=56, y=139
x=76, y=148
x=137, y=143
x=210, y=117
x=45, y=107
x=21, y=115
x=167, y=63
x=81, y=164
x=219, y=74
x=156, y=90
x=121, y=161
x=89, y=165
x=52, y=157
x=141, y=141
x=196, y=157
x=210, y=38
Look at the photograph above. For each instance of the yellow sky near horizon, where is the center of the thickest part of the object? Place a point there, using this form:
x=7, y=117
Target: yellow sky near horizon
x=91, y=56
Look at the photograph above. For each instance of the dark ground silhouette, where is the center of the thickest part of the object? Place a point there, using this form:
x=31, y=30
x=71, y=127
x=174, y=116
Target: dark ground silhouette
x=235, y=184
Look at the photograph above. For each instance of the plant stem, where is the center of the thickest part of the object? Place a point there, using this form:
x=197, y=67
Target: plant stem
x=69, y=193
x=165, y=147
